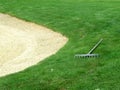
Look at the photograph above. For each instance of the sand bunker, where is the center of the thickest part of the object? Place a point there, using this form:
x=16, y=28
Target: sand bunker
x=23, y=44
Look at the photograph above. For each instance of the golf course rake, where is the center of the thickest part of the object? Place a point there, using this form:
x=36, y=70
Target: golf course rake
x=89, y=54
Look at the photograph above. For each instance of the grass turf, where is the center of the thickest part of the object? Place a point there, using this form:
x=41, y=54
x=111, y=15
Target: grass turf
x=84, y=23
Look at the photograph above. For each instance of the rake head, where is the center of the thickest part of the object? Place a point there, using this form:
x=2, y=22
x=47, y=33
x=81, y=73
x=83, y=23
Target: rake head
x=86, y=55
x=89, y=54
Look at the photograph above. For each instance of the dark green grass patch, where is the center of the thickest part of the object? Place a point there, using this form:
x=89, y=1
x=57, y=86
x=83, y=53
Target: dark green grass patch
x=84, y=23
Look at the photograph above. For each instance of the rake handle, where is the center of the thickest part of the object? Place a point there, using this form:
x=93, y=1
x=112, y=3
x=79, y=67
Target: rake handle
x=95, y=46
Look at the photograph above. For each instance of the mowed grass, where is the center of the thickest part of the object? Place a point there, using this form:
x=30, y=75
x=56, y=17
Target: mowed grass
x=84, y=23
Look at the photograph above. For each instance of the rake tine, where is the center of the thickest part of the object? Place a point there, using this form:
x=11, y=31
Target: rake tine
x=86, y=55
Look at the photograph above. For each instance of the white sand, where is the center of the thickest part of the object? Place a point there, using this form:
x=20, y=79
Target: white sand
x=23, y=44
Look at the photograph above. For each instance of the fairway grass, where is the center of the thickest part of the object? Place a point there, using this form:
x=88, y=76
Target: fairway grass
x=84, y=23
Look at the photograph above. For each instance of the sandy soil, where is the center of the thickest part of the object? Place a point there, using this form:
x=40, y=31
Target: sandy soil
x=23, y=44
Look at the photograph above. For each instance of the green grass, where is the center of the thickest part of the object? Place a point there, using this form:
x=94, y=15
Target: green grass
x=84, y=22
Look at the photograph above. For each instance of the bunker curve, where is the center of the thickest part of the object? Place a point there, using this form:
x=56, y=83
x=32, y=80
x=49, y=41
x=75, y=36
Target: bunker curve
x=23, y=44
